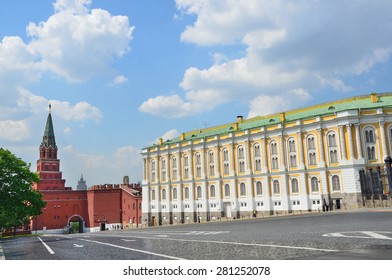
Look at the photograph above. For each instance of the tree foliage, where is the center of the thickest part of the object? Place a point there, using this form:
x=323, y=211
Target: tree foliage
x=18, y=201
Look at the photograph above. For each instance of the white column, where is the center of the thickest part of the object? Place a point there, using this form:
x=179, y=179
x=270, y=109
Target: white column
x=247, y=154
x=203, y=162
x=383, y=141
x=232, y=161
x=358, y=141
x=301, y=150
x=321, y=145
x=350, y=141
x=191, y=162
x=217, y=161
x=168, y=167
x=342, y=143
x=282, y=153
x=264, y=153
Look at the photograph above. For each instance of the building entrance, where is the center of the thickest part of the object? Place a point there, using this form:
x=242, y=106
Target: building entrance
x=227, y=209
x=75, y=224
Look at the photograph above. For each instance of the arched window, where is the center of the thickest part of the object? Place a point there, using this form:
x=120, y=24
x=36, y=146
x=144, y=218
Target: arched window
x=186, y=166
x=210, y=157
x=211, y=163
x=212, y=191
x=276, y=187
x=274, y=155
x=370, y=143
x=331, y=139
x=198, y=192
x=257, y=157
x=186, y=193
x=225, y=155
x=198, y=165
x=294, y=186
x=292, y=152
x=312, y=150
x=314, y=184
x=259, y=189
x=291, y=145
x=163, y=194
x=369, y=136
x=335, y=183
x=152, y=194
x=241, y=154
x=241, y=159
x=227, y=190
x=198, y=159
x=242, y=189
x=332, y=147
x=174, y=168
x=174, y=193
x=256, y=149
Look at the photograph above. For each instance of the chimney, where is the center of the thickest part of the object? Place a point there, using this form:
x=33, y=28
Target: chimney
x=374, y=97
x=240, y=119
x=282, y=117
x=182, y=137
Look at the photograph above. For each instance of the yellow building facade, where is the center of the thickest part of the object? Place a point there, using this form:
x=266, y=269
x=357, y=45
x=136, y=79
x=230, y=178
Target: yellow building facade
x=296, y=161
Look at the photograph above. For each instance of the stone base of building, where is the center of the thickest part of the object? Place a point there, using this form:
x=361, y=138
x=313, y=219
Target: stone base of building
x=341, y=201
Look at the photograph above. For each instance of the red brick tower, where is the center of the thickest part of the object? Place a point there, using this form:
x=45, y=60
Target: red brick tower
x=48, y=166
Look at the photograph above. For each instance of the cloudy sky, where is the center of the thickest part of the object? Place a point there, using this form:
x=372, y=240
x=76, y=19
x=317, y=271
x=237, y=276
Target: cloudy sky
x=121, y=74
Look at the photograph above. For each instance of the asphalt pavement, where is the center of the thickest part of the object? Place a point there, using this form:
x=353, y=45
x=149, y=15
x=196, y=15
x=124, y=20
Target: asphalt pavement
x=364, y=234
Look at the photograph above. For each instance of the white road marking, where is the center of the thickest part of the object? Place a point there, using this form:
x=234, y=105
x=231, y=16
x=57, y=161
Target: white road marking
x=162, y=235
x=238, y=243
x=361, y=234
x=135, y=250
x=376, y=235
x=127, y=240
x=46, y=246
x=78, y=246
x=185, y=232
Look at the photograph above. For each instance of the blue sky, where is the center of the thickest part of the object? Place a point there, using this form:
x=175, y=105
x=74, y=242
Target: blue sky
x=121, y=74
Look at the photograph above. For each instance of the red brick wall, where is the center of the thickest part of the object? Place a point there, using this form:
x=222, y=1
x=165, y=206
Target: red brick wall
x=60, y=207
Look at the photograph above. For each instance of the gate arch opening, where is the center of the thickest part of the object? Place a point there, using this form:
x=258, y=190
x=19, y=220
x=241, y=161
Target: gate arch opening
x=76, y=224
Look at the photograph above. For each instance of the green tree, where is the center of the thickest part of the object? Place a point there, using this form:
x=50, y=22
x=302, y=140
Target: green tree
x=18, y=201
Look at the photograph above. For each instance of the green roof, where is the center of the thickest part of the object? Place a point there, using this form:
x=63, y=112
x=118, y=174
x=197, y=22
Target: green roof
x=357, y=102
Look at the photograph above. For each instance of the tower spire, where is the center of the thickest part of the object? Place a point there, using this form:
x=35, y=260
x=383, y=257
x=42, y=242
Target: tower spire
x=48, y=140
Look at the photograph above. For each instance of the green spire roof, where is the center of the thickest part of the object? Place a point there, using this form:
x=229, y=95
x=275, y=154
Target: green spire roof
x=48, y=140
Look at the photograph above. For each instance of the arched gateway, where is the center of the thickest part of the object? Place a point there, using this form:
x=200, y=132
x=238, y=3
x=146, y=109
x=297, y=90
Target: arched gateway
x=76, y=224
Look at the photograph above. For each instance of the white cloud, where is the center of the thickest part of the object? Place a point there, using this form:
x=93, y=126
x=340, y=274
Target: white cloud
x=169, y=135
x=287, y=45
x=118, y=80
x=127, y=156
x=67, y=130
x=14, y=131
x=269, y=104
x=169, y=106
x=76, y=42
x=81, y=111
x=101, y=168
x=72, y=6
